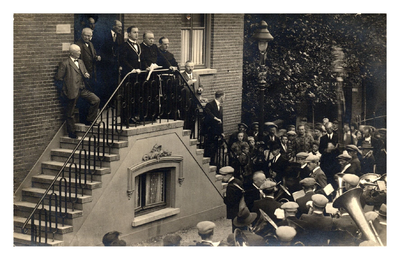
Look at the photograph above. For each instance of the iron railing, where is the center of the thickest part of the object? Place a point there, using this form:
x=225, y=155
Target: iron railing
x=139, y=99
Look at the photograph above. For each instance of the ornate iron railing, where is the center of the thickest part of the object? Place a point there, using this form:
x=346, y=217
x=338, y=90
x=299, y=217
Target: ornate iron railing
x=139, y=99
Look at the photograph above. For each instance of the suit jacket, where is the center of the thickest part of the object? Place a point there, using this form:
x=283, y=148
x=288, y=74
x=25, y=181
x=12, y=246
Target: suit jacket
x=149, y=55
x=318, y=228
x=268, y=205
x=232, y=198
x=279, y=167
x=319, y=177
x=129, y=58
x=166, y=59
x=72, y=77
x=324, y=140
x=109, y=49
x=213, y=128
x=252, y=194
x=303, y=209
x=88, y=56
x=355, y=167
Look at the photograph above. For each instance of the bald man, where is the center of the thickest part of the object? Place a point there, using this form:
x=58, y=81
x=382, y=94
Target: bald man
x=72, y=72
x=149, y=50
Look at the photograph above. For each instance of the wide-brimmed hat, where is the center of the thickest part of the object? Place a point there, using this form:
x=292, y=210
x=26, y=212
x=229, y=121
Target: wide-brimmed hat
x=244, y=217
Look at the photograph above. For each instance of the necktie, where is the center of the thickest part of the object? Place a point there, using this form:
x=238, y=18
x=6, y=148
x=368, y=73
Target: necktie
x=114, y=36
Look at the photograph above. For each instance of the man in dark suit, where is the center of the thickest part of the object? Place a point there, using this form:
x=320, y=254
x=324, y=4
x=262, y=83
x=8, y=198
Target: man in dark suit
x=316, y=172
x=254, y=192
x=109, y=65
x=353, y=151
x=278, y=163
x=213, y=125
x=234, y=193
x=73, y=73
x=89, y=55
x=318, y=227
x=165, y=58
x=149, y=50
x=330, y=137
x=308, y=185
x=130, y=53
x=268, y=204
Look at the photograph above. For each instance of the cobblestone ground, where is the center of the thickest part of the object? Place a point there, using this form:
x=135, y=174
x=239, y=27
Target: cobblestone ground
x=221, y=232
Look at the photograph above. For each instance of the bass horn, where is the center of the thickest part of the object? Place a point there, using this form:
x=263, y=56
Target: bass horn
x=240, y=238
x=340, y=183
x=350, y=201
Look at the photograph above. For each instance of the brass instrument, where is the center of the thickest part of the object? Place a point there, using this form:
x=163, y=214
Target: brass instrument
x=340, y=183
x=240, y=238
x=350, y=200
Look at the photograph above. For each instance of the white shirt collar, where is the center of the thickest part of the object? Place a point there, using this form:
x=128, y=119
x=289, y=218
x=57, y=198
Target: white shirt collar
x=316, y=168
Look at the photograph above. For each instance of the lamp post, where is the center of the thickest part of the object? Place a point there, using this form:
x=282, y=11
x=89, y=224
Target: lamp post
x=262, y=36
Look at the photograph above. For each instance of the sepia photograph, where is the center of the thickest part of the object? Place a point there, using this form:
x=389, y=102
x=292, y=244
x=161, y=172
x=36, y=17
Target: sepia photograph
x=215, y=129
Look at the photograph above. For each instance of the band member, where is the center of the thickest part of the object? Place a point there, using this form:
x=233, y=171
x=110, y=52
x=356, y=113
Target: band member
x=206, y=232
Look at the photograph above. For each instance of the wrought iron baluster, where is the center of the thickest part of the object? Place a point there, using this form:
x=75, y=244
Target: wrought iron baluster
x=73, y=198
x=62, y=181
x=53, y=213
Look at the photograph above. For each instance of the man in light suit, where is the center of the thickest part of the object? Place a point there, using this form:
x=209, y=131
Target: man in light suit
x=188, y=106
x=213, y=125
x=72, y=72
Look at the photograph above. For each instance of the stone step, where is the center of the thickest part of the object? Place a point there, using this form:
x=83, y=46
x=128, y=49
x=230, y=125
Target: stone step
x=34, y=194
x=53, y=167
x=111, y=146
x=200, y=151
x=25, y=240
x=61, y=229
x=43, y=181
x=101, y=159
x=213, y=168
x=206, y=160
x=186, y=132
x=25, y=208
x=194, y=142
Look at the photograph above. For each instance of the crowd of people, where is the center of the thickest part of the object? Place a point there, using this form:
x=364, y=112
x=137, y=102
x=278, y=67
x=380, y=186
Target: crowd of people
x=281, y=189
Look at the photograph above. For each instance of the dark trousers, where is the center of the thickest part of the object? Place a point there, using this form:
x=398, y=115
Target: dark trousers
x=89, y=97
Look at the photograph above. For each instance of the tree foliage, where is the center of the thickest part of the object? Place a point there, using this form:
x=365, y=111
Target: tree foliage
x=299, y=59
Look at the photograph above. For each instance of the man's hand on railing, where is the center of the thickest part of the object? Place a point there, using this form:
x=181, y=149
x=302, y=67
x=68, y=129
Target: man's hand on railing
x=173, y=68
x=138, y=71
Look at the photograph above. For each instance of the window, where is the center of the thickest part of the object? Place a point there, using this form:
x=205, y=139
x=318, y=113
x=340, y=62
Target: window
x=151, y=190
x=195, y=39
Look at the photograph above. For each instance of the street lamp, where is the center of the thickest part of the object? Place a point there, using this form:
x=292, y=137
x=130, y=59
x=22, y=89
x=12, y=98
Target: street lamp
x=262, y=36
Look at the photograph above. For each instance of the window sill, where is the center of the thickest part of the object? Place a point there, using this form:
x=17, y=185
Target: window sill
x=206, y=71
x=153, y=216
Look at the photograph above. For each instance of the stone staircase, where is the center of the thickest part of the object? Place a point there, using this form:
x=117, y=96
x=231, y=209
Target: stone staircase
x=40, y=182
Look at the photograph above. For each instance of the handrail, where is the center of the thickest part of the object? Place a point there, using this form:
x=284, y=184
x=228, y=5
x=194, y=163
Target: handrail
x=76, y=148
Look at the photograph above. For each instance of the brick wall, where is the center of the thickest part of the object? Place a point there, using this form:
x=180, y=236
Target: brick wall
x=37, y=52
x=37, y=110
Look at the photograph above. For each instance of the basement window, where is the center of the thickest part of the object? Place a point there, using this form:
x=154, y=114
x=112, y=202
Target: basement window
x=150, y=191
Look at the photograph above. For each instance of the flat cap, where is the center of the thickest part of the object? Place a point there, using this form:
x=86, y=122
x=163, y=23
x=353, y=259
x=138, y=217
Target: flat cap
x=290, y=205
x=368, y=243
x=270, y=124
x=226, y=170
x=319, y=200
x=243, y=124
x=308, y=182
x=344, y=156
x=267, y=185
x=255, y=123
x=110, y=237
x=285, y=233
x=312, y=158
x=351, y=179
x=172, y=240
x=382, y=210
x=291, y=132
x=352, y=147
x=205, y=227
x=302, y=155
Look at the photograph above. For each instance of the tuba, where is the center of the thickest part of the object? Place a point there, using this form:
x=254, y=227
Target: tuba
x=350, y=200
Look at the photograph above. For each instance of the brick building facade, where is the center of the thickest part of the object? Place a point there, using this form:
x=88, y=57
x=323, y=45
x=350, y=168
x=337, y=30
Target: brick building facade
x=39, y=45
